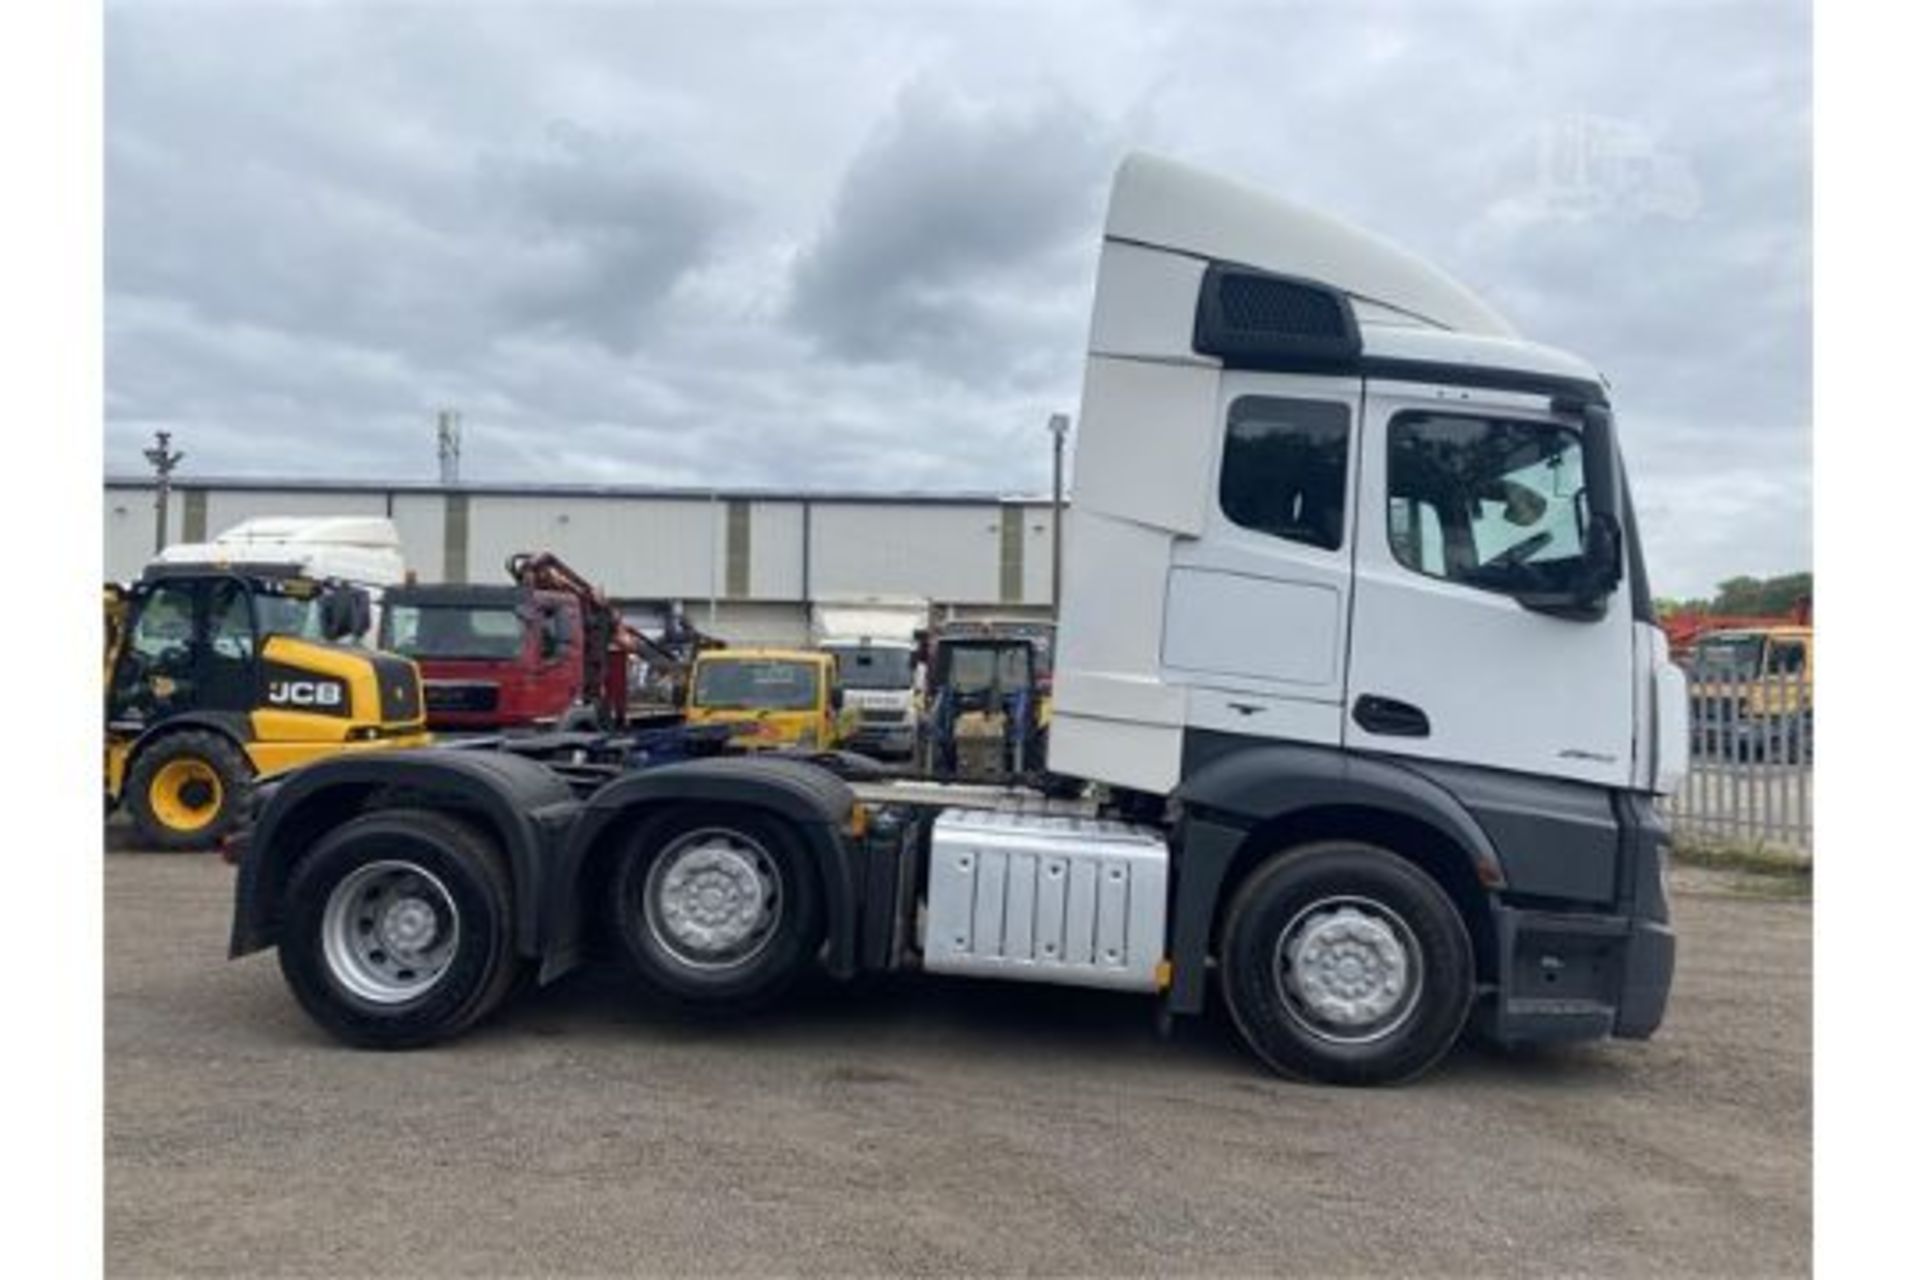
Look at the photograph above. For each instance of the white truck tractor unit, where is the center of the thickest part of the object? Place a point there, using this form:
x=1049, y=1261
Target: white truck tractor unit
x=875, y=643
x=361, y=551
x=1356, y=660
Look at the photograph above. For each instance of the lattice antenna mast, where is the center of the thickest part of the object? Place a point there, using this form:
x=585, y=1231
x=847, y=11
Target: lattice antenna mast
x=163, y=460
x=448, y=434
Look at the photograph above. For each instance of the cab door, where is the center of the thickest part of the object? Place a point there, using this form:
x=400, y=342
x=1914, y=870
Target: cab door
x=1257, y=606
x=1474, y=499
x=156, y=674
x=228, y=662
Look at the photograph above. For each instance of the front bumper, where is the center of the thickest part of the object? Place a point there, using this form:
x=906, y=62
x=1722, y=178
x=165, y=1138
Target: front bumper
x=893, y=739
x=1586, y=975
x=1579, y=977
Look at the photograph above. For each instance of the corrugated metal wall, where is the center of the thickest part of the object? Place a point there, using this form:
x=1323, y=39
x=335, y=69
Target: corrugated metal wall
x=421, y=519
x=632, y=546
x=726, y=548
x=944, y=553
x=780, y=539
x=129, y=531
x=226, y=508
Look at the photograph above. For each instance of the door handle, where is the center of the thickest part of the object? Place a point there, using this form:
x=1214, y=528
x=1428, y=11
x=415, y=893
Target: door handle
x=1390, y=718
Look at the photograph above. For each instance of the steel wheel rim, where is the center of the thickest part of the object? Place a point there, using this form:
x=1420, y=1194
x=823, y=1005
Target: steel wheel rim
x=389, y=932
x=713, y=899
x=1348, y=970
x=186, y=794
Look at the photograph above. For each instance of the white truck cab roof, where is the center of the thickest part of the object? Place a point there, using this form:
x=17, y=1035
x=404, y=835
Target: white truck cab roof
x=364, y=550
x=1167, y=221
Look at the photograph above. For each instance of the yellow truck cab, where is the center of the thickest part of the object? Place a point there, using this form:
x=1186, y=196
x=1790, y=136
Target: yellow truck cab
x=1752, y=692
x=791, y=697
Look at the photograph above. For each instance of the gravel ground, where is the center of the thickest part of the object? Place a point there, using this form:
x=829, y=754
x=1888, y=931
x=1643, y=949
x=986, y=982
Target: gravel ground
x=931, y=1125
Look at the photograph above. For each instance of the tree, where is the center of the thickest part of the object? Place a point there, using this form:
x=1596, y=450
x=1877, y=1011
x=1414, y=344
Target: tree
x=1747, y=595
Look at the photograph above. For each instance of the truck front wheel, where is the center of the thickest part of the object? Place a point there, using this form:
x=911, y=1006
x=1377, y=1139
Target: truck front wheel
x=715, y=908
x=1346, y=964
x=397, y=929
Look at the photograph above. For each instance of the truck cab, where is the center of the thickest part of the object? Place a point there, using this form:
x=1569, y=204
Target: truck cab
x=361, y=551
x=1752, y=693
x=781, y=698
x=490, y=657
x=876, y=642
x=882, y=687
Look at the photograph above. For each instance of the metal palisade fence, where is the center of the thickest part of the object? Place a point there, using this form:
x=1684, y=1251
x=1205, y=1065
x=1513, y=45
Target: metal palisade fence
x=1751, y=781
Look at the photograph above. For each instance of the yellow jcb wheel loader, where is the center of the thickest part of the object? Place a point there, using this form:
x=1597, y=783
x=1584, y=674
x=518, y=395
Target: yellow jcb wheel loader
x=217, y=675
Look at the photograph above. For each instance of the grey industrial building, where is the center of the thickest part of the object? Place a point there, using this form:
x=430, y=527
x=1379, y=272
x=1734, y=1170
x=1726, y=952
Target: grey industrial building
x=743, y=564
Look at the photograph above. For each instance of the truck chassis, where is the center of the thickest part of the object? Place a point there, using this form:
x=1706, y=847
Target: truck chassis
x=408, y=895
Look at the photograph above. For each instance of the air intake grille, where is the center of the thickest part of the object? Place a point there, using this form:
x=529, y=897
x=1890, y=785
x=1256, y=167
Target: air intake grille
x=1264, y=305
x=1254, y=320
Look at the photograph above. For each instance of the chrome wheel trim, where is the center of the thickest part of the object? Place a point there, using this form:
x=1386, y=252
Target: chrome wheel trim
x=713, y=899
x=389, y=932
x=1348, y=970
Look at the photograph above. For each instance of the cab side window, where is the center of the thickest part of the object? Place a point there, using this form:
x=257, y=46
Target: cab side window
x=163, y=637
x=1284, y=471
x=155, y=675
x=1494, y=503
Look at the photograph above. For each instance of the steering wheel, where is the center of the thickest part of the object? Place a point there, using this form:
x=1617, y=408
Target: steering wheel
x=1519, y=553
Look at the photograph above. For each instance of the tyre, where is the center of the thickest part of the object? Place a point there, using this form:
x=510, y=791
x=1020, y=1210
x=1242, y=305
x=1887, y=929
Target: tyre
x=715, y=908
x=187, y=790
x=1344, y=963
x=397, y=929
x=579, y=719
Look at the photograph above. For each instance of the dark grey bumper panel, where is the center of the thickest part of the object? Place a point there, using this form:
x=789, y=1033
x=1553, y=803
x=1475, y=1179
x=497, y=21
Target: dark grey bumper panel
x=1649, y=977
x=1582, y=976
x=1579, y=977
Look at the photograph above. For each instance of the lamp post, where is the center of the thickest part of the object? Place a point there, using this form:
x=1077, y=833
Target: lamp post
x=1057, y=427
x=163, y=464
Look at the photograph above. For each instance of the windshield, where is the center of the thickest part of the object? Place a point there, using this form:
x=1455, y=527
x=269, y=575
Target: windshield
x=452, y=631
x=1729, y=655
x=756, y=684
x=868, y=668
x=288, y=616
x=973, y=670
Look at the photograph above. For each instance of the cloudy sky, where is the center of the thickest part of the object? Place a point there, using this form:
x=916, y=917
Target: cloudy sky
x=852, y=245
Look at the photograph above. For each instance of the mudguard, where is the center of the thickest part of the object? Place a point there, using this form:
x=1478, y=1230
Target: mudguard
x=527, y=805
x=1236, y=789
x=234, y=725
x=237, y=725
x=816, y=803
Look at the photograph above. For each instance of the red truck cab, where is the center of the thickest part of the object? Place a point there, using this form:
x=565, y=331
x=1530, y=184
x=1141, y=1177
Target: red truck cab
x=498, y=657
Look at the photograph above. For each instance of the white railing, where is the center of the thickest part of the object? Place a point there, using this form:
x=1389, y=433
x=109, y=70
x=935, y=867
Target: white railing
x=1751, y=783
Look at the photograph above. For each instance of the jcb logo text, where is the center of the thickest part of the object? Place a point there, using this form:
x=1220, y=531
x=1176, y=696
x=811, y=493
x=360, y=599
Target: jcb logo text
x=304, y=693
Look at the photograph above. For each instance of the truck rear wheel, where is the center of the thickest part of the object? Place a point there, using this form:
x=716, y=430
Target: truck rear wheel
x=1346, y=964
x=187, y=790
x=397, y=929
x=715, y=907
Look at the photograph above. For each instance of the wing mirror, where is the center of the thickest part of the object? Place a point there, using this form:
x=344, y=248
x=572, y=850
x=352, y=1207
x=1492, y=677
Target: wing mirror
x=345, y=612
